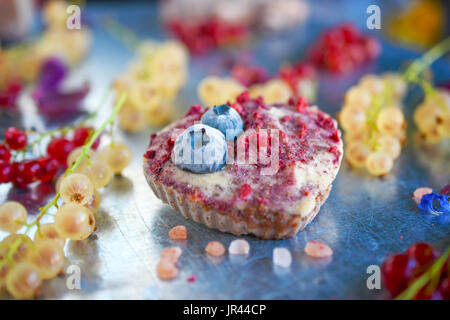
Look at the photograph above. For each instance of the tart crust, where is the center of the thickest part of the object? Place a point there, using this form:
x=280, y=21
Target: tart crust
x=287, y=226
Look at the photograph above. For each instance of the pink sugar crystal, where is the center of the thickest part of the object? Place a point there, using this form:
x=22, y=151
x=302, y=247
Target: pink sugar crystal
x=282, y=257
x=240, y=246
x=420, y=192
x=318, y=249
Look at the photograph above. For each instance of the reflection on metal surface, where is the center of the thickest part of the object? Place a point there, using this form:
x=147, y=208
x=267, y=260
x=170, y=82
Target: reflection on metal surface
x=364, y=218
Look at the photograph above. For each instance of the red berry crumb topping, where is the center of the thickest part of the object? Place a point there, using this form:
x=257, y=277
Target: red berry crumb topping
x=196, y=109
x=246, y=190
x=301, y=104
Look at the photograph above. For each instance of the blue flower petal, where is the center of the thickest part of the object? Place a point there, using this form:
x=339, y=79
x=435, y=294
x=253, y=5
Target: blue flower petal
x=434, y=203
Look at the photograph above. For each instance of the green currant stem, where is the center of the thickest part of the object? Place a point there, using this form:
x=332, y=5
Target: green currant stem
x=434, y=94
x=122, y=33
x=378, y=102
x=43, y=211
x=433, y=271
x=127, y=37
x=411, y=75
x=419, y=65
x=98, y=132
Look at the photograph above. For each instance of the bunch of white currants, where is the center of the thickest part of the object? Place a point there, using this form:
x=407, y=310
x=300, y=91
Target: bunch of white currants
x=432, y=116
x=25, y=262
x=152, y=82
x=373, y=121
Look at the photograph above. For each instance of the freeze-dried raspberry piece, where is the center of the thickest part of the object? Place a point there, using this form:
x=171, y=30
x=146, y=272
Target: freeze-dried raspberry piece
x=171, y=254
x=166, y=270
x=318, y=249
x=178, y=233
x=246, y=189
x=215, y=249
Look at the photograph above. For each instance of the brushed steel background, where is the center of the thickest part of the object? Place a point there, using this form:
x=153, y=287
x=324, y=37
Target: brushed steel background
x=364, y=219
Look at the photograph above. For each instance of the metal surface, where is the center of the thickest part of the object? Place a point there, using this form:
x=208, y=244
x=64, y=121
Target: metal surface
x=364, y=219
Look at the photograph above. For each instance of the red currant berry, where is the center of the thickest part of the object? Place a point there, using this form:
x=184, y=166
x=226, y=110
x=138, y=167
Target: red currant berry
x=395, y=273
x=5, y=155
x=422, y=252
x=427, y=293
x=81, y=135
x=15, y=138
x=444, y=288
x=49, y=169
x=59, y=149
x=6, y=172
x=25, y=173
x=445, y=190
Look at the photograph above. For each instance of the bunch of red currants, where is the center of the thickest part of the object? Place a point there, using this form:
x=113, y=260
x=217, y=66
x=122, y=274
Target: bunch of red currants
x=43, y=169
x=401, y=269
x=209, y=34
x=343, y=48
x=9, y=94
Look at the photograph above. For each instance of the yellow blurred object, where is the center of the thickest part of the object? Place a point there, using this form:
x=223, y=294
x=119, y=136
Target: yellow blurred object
x=216, y=91
x=152, y=82
x=54, y=13
x=422, y=23
x=273, y=91
x=69, y=45
x=23, y=61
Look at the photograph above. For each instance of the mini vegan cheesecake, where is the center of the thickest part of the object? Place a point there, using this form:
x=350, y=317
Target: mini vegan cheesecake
x=247, y=167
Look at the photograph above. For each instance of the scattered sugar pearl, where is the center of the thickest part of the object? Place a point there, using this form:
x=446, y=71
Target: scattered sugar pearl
x=171, y=254
x=166, y=270
x=240, y=246
x=420, y=192
x=318, y=249
x=178, y=233
x=282, y=257
x=215, y=249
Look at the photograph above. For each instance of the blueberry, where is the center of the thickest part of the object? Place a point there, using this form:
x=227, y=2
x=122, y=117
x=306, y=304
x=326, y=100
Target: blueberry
x=200, y=149
x=224, y=119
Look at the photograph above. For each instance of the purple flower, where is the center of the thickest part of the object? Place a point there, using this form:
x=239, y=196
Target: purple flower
x=51, y=100
x=434, y=203
x=52, y=103
x=52, y=74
